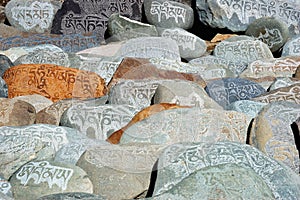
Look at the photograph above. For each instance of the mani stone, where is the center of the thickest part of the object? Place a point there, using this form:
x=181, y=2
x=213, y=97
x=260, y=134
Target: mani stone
x=5, y=63
x=122, y=28
x=120, y=171
x=97, y=122
x=271, y=133
x=14, y=53
x=292, y=47
x=54, y=82
x=250, y=108
x=237, y=16
x=224, y=181
x=179, y=161
x=39, y=102
x=44, y=54
x=183, y=93
x=85, y=16
x=235, y=67
x=114, y=138
x=5, y=187
x=68, y=43
x=3, y=88
x=71, y=196
x=274, y=67
x=289, y=93
x=228, y=90
x=244, y=51
x=16, y=112
x=283, y=82
x=272, y=31
x=169, y=14
x=37, y=179
x=188, y=125
x=190, y=46
x=150, y=47
x=31, y=15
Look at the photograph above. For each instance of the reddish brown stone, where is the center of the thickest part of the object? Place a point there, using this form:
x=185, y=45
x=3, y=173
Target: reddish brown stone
x=116, y=136
x=297, y=74
x=137, y=69
x=54, y=82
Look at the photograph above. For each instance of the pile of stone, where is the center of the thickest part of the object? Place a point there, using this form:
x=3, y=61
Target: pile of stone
x=141, y=100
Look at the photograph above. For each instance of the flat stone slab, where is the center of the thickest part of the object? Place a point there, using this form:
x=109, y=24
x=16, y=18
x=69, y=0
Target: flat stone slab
x=180, y=160
x=292, y=47
x=169, y=14
x=54, y=82
x=271, y=133
x=228, y=90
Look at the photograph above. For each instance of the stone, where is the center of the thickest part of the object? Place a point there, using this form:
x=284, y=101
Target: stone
x=270, y=30
x=39, y=102
x=137, y=93
x=51, y=178
x=190, y=46
x=5, y=63
x=179, y=161
x=31, y=15
x=264, y=82
x=71, y=195
x=68, y=43
x=54, y=82
x=109, y=49
x=44, y=54
x=98, y=122
x=5, y=187
x=292, y=47
x=250, y=108
x=5, y=197
x=2, y=14
x=169, y=14
x=271, y=133
x=150, y=47
x=242, y=50
x=114, y=138
x=183, y=93
x=237, y=16
x=3, y=88
x=16, y=112
x=8, y=31
x=274, y=67
x=137, y=69
x=224, y=181
x=84, y=16
x=13, y=54
x=228, y=90
x=290, y=94
x=188, y=125
x=120, y=171
x=122, y=28
x=282, y=82
x=236, y=67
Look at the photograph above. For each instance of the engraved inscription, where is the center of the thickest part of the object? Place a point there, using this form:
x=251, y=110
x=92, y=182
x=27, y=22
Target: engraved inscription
x=271, y=37
x=186, y=41
x=5, y=186
x=296, y=47
x=167, y=10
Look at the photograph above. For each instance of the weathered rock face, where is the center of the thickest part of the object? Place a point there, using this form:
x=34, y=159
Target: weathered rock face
x=169, y=14
x=292, y=47
x=54, y=82
x=271, y=133
x=196, y=156
x=37, y=179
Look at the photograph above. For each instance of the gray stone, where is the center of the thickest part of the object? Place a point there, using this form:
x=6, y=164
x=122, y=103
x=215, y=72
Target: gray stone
x=237, y=15
x=37, y=179
x=98, y=122
x=184, y=93
x=122, y=28
x=5, y=187
x=225, y=181
x=190, y=46
x=270, y=30
x=235, y=67
x=271, y=133
x=137, y=93
x=107, y=50
x=14, y=53
x=5, y=197
x=5, y=63
x=169, y=14
x=292, y=47
x=3, y=88
x=250, y=108
x=178, y=161
x=188, y=125
x=243, y=51
x=229, y=90
x=282, y=82
x=31, y=15
x=71, y=196
x=120, y=171
x=44, y=54
x=150, y=47
x=39, y=102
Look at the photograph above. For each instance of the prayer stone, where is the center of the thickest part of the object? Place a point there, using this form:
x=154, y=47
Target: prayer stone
x=292, y=47
x=5, y=63
x=5, y=187
x=283, y=82
x=250, y=108
x=3, y=89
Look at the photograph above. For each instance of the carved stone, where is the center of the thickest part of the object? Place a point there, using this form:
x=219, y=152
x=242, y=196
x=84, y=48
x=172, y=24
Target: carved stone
x=250, y=108
x=283, y=82
x=5, y=187
x=5, y=63
x=292, y=47
x=39, y=102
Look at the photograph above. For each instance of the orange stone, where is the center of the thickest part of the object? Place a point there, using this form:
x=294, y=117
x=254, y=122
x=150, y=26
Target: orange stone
x=116, y=136
x=54, y=82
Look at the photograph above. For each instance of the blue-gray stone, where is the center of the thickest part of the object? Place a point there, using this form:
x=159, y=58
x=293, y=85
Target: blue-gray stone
x=3, y=88
x=250, y=108
x=5, y=63
x=292, y=47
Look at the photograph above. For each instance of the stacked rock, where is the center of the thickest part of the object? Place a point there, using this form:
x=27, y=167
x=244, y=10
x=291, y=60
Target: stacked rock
x=143, y=100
